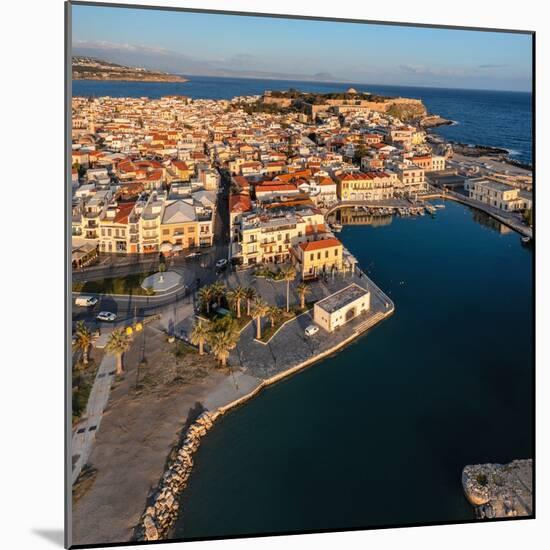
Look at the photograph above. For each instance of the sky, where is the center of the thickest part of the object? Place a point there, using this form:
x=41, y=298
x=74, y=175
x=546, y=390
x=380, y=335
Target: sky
x=245, y=46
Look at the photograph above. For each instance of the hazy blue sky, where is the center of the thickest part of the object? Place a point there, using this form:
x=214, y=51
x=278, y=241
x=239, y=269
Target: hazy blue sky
x=192, y=43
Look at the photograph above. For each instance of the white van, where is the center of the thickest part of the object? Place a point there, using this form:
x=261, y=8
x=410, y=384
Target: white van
x=86, y=301
x=311, y=330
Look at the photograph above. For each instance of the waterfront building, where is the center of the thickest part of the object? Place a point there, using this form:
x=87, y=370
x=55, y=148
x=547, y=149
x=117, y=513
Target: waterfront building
x=411, y=178
x=341, y=307
x=318, y=257
x=366, y=186
x=269, y=235
x=497, y=194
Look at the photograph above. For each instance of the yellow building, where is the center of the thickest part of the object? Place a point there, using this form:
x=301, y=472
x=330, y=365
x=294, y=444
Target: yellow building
x=373, y=186
x=317, y=257
x=179, y=227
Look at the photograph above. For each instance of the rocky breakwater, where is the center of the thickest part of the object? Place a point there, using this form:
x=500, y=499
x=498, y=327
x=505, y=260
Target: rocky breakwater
x=500, y=490
x=163, y=504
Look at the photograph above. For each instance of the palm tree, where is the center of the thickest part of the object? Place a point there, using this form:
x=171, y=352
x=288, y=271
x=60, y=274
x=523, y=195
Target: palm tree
x=259, y=310
x=218, y=291
x=289, y=273
x=83, y=340
x=205, y=297
x=223, y=337
x=273, y=313
x=303, y=291
x=199, y=335
x=237, y=295
x=250, y=297
x=118, y=344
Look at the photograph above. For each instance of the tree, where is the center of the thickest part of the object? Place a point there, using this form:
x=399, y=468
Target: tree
x=303, y=291
x=205, y=297
x=273, y=313
x=118, y=344
x=250, y=297
x=289, y=273
x=83, y=340
x=259, y=310
x=219, y=290
x=199, y=335
x=237, y=295
x=223, y=337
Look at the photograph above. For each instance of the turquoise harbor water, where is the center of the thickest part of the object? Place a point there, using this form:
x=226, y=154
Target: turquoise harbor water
x=379, y=433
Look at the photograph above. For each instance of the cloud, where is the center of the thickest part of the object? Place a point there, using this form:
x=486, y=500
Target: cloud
x=422, y=70
x=104, y=45
x=238, y=65
x=491, y=66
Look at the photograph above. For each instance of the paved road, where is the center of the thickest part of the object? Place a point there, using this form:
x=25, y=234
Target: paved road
x=175, y=307
x=128, y=264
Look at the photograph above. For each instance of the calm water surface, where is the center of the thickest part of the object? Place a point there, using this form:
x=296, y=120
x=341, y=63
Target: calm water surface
x=379, y=433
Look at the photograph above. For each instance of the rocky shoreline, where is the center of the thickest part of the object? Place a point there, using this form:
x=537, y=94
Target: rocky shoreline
x=500, y=491
x=433, y=121
x=163, y=503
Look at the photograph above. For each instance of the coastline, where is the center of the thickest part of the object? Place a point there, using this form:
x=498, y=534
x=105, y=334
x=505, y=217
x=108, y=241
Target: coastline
x=162, y=508
x=129, y=79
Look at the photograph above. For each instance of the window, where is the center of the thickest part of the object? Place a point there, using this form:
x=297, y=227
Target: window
x=336, y=252
x=326, y=253
x=165, y=231
x=311, y=256
x=318, y=255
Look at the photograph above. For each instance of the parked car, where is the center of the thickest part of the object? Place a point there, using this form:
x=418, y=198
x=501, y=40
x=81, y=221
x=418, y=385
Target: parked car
x=106, y=316
x=86, y=301
x=221, y=263
x=311, y=330
x=194, y=254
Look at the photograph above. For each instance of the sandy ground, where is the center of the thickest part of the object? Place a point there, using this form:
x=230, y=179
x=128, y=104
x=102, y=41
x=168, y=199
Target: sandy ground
x=137, y=432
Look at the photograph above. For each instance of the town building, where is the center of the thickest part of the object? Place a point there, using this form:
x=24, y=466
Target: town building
x=341, y=307
x=497, y=194
x=366, y=186
x=314, y=258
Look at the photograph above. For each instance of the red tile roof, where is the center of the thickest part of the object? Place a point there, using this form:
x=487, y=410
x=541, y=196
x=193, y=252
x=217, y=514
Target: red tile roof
x=123, y=211
x=240, y=203
x=319, y=245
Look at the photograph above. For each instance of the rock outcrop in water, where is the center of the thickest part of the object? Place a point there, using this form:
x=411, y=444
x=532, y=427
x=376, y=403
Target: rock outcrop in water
x=499, y=491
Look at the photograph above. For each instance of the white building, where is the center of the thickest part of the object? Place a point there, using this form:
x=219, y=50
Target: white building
x=498, y=195
x=341, y=307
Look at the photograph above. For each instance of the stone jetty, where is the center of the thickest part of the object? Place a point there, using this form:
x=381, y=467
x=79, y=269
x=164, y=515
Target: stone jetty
x=163, y=505
x=500, y=490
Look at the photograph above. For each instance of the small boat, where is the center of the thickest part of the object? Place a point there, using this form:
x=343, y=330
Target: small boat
x=525, y=239
x=439, y=206
x=336, y=227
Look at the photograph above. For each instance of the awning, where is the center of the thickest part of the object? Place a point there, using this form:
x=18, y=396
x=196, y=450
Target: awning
x=166, y=247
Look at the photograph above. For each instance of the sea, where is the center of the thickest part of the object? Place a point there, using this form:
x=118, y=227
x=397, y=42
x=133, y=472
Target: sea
x=377, y=434
x=480, y=117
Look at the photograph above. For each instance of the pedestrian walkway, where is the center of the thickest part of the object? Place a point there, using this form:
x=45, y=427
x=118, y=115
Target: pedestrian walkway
x=84, y=434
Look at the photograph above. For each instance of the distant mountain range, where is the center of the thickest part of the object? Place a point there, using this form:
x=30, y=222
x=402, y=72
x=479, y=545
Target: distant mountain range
x=159, y=59
x=93, y=68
